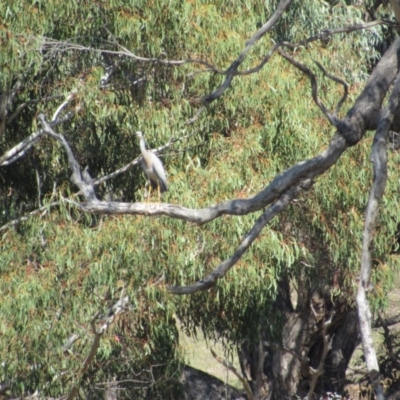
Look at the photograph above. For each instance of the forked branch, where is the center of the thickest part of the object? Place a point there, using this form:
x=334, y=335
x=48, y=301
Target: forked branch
x=223, y=268
x=334, y=121
x=80, y=178
x=21, y=148
x=231, y=72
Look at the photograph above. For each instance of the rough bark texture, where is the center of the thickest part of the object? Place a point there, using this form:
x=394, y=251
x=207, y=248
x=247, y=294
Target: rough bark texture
x=291, y=363
x=344, y=342
x=199, y=385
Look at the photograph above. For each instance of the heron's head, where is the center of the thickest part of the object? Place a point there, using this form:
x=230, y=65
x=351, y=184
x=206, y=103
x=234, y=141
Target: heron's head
x=139, y=134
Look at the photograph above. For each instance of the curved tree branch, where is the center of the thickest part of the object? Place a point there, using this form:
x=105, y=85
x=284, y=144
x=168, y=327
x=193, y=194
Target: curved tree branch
x=223, y=268
x=323, y=35
x=330, y=32
x=281, y=8
x=56, y=46
x=282, y=189
x=366, y=113
x=379, y=160
x=333, y=120
x=337, y=80
x=304, y=170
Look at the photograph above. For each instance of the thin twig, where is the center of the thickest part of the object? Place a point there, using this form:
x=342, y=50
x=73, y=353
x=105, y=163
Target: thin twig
x=337, y=80
x=57, y=46
x=62, y=105
x=136, y=161
x=196, y=116
x=232, y=368
x=27, y=103
x=314, y=87
x=119, y=307
x=330, y=32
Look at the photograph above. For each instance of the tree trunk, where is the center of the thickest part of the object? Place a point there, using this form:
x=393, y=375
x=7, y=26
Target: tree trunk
x=290, y=366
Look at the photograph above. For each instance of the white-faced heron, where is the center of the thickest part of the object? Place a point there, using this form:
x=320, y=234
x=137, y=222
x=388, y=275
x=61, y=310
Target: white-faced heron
x=153, y=168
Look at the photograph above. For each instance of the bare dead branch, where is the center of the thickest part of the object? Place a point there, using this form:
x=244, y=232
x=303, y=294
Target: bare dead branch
x=232, y=368
x=40, y=210
x=62, y=105
x=84, y=185
x=21, y=148
x=70, y=342
x=364, y=319
x=196, y=116
x=308, y=169
x=379, y=160
x=55, y=46
x=333, y=120
x=52, y=45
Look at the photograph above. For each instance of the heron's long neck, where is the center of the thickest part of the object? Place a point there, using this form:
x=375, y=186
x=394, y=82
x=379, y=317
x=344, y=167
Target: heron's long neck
x=142, y=145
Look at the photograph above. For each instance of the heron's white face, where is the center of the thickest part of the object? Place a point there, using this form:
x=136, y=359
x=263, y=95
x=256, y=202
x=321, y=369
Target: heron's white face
x=139, y=134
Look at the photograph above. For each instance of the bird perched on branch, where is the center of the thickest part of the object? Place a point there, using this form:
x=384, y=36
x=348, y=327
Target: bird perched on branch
x=153, y=168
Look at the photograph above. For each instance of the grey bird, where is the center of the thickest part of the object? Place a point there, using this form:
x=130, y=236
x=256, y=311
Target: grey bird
x=152, y=167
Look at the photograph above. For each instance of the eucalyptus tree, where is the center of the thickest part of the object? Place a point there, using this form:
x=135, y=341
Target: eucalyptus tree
x=284, y=253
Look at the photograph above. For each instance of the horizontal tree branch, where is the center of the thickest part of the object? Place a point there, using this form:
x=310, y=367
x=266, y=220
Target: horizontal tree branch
x=281, y=190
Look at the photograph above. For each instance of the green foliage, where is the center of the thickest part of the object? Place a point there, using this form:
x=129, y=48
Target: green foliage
x=53, y=289
x=58, y=270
